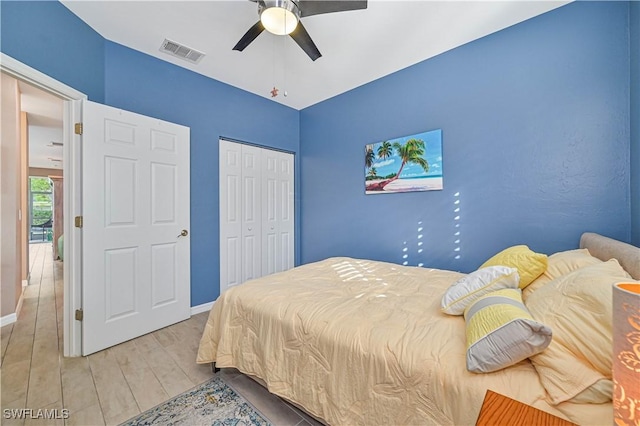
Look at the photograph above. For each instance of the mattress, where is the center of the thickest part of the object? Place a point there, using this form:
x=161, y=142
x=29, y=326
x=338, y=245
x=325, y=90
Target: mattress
x=364, y=342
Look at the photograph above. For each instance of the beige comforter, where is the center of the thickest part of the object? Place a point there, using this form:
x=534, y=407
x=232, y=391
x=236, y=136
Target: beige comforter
x=364, y=342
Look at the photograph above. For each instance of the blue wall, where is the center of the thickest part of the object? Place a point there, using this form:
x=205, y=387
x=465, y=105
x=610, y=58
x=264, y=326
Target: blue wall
x=634, y=23
x=149, y=86
x=46, y=36
x=535, y=123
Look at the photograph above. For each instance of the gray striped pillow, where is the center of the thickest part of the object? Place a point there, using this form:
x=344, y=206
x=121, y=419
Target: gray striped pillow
x=501, y=332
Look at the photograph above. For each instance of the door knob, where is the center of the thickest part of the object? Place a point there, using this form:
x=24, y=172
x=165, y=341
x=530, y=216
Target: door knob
x=184, y=233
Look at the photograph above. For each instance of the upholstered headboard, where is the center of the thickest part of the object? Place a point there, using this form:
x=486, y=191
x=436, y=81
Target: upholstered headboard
x=606, y=248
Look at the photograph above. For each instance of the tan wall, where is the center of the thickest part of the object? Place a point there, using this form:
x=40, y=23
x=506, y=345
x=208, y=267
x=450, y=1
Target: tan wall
x=10, y=252
x=24, y=196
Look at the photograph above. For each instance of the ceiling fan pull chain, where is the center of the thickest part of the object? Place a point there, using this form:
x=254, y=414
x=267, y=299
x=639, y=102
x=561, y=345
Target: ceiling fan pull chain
x=284, y=67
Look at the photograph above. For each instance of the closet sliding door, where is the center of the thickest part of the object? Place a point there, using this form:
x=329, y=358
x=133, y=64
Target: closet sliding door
x=277, y=217
x=256, y=212
x=250, y=213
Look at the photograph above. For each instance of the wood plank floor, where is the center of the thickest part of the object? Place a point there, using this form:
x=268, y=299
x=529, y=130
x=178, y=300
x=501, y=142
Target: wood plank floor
x=113, y=385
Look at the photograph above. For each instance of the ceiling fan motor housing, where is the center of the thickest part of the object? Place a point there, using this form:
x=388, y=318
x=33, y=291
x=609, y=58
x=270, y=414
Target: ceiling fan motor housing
x=279, y=17
x=290, y=5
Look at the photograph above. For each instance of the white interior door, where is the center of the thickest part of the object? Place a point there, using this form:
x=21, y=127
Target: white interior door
x=240, y=213
x=136, y=256
x=251, y=212
x=230, y=214
x=277, y=211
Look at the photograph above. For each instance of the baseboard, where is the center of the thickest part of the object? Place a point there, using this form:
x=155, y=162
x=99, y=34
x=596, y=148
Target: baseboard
x=8, y=319
x=11, y=318
x=205, y=307
x=25, y=283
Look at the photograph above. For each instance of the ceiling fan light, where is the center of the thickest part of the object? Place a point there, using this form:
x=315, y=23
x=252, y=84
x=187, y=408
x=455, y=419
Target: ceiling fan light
x=279, y=17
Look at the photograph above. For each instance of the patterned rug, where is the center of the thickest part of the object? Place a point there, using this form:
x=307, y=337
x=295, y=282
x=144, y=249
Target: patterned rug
x=212, y=403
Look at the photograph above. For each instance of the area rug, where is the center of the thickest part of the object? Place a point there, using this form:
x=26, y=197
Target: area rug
x=212, y=403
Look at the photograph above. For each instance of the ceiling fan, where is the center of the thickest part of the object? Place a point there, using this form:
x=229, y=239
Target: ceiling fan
x=282, y=17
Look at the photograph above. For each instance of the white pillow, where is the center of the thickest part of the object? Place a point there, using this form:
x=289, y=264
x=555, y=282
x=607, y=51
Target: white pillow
x=469, y=288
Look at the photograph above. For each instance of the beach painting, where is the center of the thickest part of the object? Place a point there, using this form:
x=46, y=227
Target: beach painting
x=406, y=164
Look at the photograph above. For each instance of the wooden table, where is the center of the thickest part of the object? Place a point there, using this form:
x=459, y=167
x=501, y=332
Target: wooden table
x=498, y=409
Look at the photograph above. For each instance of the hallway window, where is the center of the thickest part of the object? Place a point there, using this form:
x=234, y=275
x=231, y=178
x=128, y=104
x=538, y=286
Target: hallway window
x=40, y=208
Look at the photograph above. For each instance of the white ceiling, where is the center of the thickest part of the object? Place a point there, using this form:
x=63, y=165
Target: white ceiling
x=44, y=116
x=357, y=46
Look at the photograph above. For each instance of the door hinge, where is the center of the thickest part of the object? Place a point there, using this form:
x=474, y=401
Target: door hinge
x=79, y=315
x=78, y=221
x=78, y=128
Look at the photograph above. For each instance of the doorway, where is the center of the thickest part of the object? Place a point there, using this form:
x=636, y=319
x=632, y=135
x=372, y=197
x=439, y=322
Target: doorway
x=69, y=102
x=43, y=126
x=164, y=191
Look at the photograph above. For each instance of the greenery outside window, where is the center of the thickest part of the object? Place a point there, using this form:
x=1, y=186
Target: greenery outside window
x=40, y=207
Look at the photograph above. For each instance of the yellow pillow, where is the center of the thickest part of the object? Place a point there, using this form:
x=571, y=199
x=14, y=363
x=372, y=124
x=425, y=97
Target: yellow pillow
x=530, y=265
x=578, y=307
x=501, y=332
x=559, y=264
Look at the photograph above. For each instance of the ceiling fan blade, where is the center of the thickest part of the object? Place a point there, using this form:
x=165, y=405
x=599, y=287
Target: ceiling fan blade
x=249, y=36
x=302, y=37
x=316, y=7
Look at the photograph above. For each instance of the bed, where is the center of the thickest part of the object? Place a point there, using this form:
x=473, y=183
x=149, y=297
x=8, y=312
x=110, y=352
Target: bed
x=354, y=341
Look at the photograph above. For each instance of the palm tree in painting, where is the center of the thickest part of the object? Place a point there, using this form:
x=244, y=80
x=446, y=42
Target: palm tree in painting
x=369, y=156
x=411, y=152
x=373, y=173
x=385, y=150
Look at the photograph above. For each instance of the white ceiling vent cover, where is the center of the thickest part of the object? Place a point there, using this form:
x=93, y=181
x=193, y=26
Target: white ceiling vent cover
x=181, y=51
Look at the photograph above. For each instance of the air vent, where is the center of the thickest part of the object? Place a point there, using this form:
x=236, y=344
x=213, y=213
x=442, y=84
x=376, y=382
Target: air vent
x=180, y=51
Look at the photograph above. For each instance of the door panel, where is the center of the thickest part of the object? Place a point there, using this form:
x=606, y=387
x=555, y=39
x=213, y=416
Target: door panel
x=120, y=186
x=164, y=271
x=161, y=141
x=164, y=184
x=135, y=196
x=286, y=260
x=120, y=283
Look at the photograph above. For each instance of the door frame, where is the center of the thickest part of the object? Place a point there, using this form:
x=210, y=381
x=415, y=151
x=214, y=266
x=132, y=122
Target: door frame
x=72, y=168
